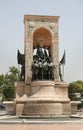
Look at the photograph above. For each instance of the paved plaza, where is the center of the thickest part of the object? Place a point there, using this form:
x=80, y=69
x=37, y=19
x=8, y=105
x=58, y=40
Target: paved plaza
x=41, y=127
x=8, y=122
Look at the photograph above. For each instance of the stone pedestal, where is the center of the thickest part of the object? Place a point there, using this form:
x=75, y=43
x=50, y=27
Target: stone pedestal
x=9, y=107
x=19, y=89
x=44, y=98
x=74, y=106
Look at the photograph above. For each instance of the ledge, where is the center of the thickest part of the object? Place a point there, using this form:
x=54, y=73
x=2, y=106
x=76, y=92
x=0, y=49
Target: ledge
x=41, y=17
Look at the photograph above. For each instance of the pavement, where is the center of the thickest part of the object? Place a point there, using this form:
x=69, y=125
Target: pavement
x=41, y=127
x=9, y=119
x=13, y=119
x=13, y=122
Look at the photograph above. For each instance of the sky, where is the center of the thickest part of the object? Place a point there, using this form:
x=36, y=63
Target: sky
x=70, y=31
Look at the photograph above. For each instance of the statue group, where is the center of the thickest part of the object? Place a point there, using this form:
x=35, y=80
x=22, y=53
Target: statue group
x=42, y=66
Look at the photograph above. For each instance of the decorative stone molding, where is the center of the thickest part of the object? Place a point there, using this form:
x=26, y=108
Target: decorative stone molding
x=31, y=24
x=40, y=18
x=52, y=25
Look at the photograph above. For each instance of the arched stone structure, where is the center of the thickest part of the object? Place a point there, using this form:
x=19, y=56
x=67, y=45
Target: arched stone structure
x=41, y=29
x=43, y=36
x=41, y=97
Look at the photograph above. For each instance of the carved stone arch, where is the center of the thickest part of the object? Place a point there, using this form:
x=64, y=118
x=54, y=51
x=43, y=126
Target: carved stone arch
x=43, y=37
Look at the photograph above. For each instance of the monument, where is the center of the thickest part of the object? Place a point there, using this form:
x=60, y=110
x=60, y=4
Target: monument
x=41, y=90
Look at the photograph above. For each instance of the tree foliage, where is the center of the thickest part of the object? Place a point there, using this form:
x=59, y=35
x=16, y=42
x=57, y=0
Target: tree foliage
x=7, y=83
x=1, y=82
x=75, y=87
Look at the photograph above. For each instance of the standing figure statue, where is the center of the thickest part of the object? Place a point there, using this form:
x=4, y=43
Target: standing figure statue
x=39, y=52
x=21, y=61
x=40, y=74
x=50, y=69
x=45, y=69
x=35, y=70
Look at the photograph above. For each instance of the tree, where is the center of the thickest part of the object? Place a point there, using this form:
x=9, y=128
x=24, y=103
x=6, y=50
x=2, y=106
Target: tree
x=7, y=83
x=75, y=87
x=2, y=78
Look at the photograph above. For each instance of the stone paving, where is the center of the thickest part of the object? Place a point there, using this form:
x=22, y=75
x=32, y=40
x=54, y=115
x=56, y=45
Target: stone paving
x=8, y=122
x=12, y=119
x=42, y=127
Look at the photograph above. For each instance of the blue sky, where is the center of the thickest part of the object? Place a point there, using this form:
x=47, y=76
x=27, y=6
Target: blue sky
x=70, y=31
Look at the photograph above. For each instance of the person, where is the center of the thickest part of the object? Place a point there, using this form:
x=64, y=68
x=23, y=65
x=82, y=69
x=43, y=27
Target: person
x=45, y=69
x=40, y=52
x=21, y=61
x=22, y=72
x=35, y=69
x=40, y=74
x=50, y=69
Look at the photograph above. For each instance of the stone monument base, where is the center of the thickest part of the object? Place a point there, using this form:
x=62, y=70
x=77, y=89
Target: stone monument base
x=43, y=98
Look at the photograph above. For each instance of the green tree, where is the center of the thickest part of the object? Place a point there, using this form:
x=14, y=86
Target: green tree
x=1, y=82
x=7, y=84
x=75, y=87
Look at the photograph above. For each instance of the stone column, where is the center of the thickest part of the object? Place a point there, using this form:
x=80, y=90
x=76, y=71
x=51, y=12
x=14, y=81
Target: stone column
x=56, y=58
x=28, y=61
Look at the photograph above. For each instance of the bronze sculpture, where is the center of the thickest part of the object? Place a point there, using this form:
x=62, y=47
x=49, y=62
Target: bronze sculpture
x=21, y=61
x=42, y=66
